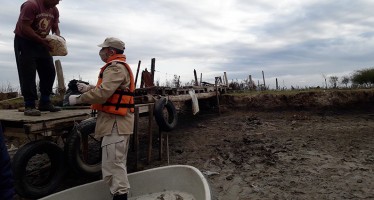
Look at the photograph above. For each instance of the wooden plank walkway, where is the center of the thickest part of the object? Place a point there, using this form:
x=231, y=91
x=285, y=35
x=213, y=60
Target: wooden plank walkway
x=16, y=123
x=167, y=91
x=16, y=116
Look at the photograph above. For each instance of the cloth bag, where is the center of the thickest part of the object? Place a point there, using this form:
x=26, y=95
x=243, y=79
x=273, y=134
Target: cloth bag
x=58, y=45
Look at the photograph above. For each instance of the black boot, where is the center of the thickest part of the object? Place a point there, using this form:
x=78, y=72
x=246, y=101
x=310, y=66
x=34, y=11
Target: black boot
x=120, y=197
x=48, y=106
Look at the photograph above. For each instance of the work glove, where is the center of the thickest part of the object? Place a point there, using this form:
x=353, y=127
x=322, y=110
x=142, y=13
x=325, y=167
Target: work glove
x=82, y=87
x=73, y=100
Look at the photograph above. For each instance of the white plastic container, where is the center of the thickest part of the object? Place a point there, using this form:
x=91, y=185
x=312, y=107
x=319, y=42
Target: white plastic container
x=170, y=182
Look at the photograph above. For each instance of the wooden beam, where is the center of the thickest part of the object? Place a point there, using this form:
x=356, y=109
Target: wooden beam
x=150, y=138
x=135, y=136
x=263, y=77
x=225, y=77
x=137, y=72
x=195, y=75
x=217, y=97
x=60, y=79
x=201, y=78
x=153, y=69
x=276, y=82
x=53, y=124
x=187, y=97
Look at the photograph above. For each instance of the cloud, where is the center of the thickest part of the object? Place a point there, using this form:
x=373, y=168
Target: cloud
x=294, y=40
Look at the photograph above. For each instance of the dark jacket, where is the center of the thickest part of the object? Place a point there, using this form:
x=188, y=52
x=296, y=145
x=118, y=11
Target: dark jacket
x=6, y=178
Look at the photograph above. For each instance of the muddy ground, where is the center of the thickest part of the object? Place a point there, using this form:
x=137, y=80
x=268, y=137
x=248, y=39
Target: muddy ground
x=277, y=151
x=280, y=155
x=317, y=145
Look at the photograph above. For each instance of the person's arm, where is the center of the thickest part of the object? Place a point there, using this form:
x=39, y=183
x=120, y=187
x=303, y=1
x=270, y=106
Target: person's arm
x=113, y=77
x=30, y=33
x=56, y=29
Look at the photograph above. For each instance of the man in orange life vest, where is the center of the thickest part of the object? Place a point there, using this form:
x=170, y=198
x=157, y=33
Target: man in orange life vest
x=113, y=98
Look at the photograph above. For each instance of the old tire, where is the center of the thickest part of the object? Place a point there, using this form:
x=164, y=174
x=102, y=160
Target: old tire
x=165, y=114
x=38, y=168
x=83, y=151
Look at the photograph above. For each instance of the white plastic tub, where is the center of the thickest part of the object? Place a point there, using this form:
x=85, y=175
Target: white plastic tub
x=169, y=183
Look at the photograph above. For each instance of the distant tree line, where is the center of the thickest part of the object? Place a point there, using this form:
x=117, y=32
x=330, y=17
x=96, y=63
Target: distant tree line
x=359, y=78
x=363, y=77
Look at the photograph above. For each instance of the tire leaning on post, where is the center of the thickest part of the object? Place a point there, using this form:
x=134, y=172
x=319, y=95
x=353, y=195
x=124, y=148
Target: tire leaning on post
x=165, y=114
x=85, y=129
x=44, y=178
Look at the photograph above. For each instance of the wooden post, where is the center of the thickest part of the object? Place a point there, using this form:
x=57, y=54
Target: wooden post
x=60, y=79
x=201, y=78
x=196, y=83
x=137, y=72
x=136, y=136
x=250, y=82
x=150, y=139
x=160, y=149
x=263, y=77
x=225, y=77
x=217, y=97
x=153, y=66
x=276, y=81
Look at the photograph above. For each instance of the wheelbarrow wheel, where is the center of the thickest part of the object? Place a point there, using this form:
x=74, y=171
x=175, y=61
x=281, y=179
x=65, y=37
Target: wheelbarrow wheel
x=165, y=114
x=83, y=151
x=38, y=169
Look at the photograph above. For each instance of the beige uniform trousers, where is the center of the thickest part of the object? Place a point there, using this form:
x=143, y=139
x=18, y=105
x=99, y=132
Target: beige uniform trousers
x=114, y=158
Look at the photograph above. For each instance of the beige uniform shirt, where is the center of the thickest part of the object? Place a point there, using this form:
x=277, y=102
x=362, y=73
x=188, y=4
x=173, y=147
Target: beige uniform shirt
x=114, y=76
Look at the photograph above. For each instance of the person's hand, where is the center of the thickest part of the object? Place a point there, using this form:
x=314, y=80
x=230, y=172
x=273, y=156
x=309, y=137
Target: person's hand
x=82, y=87
x=73, y=99
x=46, y=44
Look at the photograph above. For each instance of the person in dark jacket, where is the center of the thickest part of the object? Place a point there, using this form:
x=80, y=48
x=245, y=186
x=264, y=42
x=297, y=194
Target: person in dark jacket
x=6, y=179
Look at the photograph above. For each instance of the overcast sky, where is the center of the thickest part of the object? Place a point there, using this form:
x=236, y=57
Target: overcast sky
x=298, y=42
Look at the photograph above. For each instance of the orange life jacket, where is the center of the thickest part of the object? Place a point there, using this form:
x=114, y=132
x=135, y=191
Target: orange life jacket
x=122, y=99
